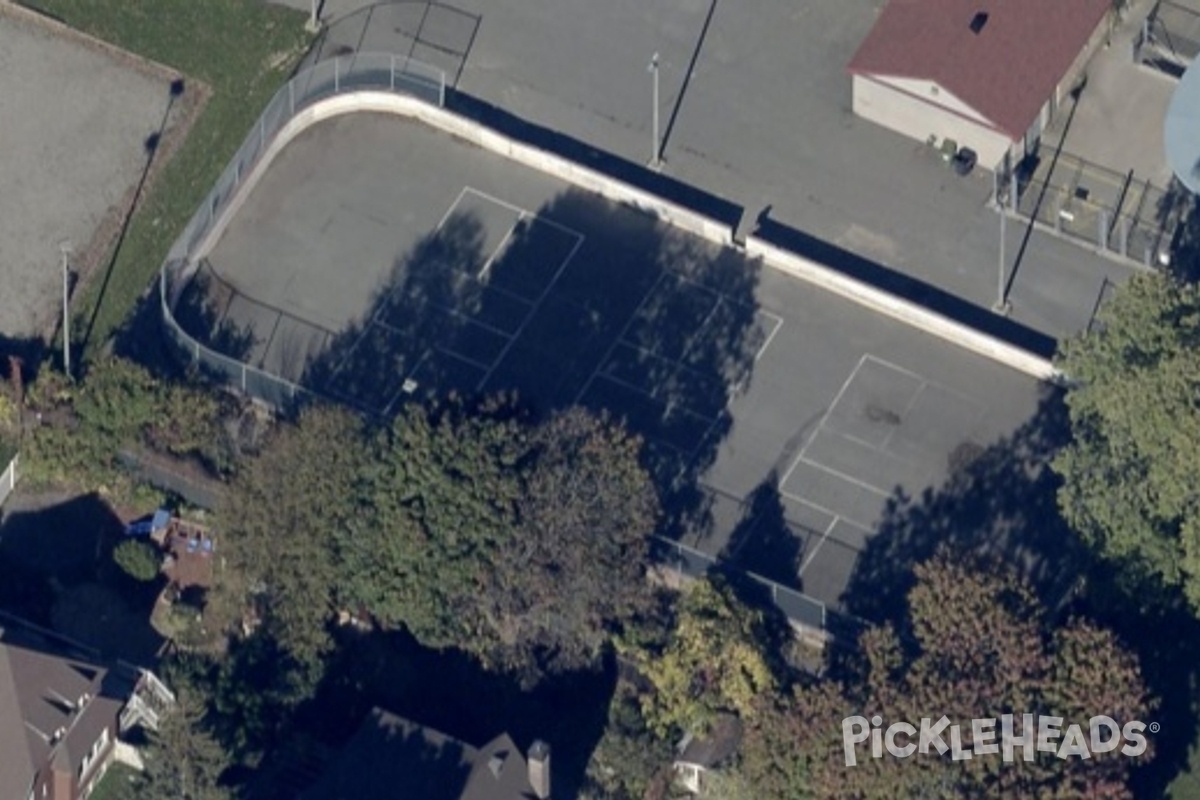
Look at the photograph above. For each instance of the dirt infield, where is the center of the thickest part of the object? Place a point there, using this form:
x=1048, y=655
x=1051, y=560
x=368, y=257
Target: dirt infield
x=79, y=119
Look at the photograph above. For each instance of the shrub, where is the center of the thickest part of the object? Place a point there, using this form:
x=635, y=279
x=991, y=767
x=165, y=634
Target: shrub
x=138, y=559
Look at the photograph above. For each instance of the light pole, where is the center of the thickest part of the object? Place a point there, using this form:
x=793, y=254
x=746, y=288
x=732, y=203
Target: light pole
x=1002, y=305
x=314, y=22
x=655, y=160
x=64, y=249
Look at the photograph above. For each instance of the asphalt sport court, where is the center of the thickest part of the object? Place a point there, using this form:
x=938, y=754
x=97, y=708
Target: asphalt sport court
x=379, y=259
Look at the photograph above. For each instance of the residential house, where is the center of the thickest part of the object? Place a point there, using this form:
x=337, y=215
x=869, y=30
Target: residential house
x=391, y=758
x=698, y=755
x=62, y=711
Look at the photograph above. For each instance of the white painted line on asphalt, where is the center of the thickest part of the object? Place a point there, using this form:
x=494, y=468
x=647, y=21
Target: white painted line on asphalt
x=847, y=478
x=450, y=210
x=808, y=559
x=778, y=324
x=908, y=407
x=836, y=398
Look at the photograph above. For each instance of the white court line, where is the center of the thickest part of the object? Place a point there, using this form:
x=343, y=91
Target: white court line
x=836, y=398
x=469, y=320
x=450, y=210
x=522, y=211
x=778, y=325
x=834, y=516
x=619, y=340
x=908, y=407
x=848, y=478
x=864, y=443
x=927, y=382
x=813, y=553
x=532, y=313
x=487, y=265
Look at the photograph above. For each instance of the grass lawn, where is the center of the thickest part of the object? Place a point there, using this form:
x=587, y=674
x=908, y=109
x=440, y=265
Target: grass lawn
x=243, y=51
x=116, y=784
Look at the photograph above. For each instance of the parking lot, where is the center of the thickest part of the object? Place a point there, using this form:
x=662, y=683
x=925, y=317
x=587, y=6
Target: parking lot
x=69, y=167
x=470, y=273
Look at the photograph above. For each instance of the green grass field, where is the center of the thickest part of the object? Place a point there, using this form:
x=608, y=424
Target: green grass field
x=243, y=51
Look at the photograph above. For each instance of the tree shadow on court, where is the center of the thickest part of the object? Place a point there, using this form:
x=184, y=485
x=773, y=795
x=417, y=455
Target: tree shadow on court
x=582, y=302
x=764, y=542
x=999, y=501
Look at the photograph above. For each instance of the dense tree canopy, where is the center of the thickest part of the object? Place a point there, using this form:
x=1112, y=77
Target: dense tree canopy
x=714, y=660
x=183, y=760
x=473, y=527
x=1129, y=476
x=977, y=646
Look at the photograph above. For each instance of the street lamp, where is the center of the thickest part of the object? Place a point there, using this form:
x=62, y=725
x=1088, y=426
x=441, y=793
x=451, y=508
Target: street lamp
x=655, y=159
x=1002, y=306
x=314, y=22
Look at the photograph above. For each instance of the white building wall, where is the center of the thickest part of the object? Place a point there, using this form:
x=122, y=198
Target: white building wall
x=929, y=114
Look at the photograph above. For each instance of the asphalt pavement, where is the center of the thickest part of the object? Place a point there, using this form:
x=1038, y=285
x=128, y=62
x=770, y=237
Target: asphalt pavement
x=754, y=107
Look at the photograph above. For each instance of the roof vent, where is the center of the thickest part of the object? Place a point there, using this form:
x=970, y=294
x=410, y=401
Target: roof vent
x=496, y=764
x=978, y=21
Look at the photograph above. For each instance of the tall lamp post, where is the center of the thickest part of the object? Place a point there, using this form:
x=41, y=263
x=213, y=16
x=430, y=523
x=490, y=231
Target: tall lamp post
x=655, y=158
x=314, y=22
x=1002, y=306
x=64, y=249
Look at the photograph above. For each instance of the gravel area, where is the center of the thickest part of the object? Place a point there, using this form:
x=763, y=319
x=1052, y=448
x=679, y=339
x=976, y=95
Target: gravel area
x=75, y=116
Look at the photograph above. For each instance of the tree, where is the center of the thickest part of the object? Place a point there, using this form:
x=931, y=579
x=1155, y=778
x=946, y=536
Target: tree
x=139, y=560
x=629, y=763
x=1129, y=484
x=440, y=499
x=522, y=544
x=575, y=568
x=714, y=661
x=977, y=645
x=183, y=760
x=283, y=515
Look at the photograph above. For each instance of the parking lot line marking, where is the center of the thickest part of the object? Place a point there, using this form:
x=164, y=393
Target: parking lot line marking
x=836, y=398
x=778, y=324
x=848, y=478
x=532, y=313
x=450, y=210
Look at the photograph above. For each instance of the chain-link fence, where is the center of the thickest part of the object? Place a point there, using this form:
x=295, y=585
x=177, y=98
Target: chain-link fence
x=690, y=563
x=221, y=356
x=1102, y=208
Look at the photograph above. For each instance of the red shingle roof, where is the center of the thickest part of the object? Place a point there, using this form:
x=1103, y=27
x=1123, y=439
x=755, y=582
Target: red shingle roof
x=1005, y=72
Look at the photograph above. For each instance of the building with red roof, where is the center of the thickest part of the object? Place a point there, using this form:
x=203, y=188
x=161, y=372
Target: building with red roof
x=984, y=74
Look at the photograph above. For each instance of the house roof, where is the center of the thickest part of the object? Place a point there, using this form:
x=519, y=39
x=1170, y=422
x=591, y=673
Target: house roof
x=1006, y=71
x=391, y=757
x=719, y=744
x=46, y=689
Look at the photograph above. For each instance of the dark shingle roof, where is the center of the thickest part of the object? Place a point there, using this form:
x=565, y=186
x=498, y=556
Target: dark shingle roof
x=392, y=757
x=1006, y=71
